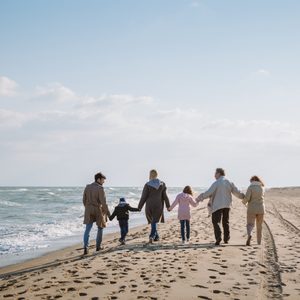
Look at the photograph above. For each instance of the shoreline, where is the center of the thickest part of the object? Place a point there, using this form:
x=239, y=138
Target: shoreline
x=64, y=254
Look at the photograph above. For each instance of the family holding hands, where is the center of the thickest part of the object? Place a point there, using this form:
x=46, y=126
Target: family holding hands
x=154, y=197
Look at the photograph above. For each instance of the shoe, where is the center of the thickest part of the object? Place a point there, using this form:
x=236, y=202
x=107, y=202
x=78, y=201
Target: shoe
x=156, y=239
x=150, y=240
x=248, y=240
x=217, y=243
x=122, y=242
x=99, y=248
x=188, y=241
x=85, y=250
x=183, y=242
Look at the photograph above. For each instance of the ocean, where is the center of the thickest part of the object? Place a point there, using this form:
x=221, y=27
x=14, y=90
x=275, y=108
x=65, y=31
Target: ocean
x=37, y=220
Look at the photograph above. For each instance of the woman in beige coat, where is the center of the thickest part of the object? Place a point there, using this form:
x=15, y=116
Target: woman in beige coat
x=254, y=199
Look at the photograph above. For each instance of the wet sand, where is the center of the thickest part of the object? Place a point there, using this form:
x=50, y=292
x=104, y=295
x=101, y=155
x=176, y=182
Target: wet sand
x=169, y=270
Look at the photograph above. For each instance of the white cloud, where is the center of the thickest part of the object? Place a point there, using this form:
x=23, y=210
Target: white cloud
x=8, y=87
x=12, y=119
x=55, y=91
x=128, y=127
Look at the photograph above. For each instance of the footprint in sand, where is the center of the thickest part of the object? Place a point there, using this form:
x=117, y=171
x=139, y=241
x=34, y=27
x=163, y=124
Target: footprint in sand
x=97, y=282
x=200, y=286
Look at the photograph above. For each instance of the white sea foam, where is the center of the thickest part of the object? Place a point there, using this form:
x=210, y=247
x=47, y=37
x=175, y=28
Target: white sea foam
x=9, y=203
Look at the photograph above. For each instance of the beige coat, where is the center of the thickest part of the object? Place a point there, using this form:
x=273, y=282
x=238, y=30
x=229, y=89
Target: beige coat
x=255, y=198
x=94, y=201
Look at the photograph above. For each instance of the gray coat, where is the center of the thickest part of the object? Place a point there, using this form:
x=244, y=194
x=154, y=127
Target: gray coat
x=155, y=196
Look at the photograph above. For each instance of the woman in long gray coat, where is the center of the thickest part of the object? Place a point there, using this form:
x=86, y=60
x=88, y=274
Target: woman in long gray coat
x=155, y=196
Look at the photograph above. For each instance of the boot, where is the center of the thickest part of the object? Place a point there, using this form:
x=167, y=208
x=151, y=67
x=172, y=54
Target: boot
x=98, y=248
x=248, y=240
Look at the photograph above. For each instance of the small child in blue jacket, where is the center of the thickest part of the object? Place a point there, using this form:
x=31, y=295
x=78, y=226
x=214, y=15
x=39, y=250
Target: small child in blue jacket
x=122, y=213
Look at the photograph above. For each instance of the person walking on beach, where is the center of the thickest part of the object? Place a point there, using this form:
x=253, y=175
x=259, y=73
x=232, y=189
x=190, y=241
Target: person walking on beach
x=184, y=200
x=122, y=213
x=254, y=199
x=220, y=194
x=96, y=210
x=155, y=196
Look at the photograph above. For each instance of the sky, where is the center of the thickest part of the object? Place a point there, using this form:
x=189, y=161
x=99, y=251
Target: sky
x=122, y=87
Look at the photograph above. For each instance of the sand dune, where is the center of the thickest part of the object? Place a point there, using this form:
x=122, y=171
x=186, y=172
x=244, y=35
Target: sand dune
x=169, y=270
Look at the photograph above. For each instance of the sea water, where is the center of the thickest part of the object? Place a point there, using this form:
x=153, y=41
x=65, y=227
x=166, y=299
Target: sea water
x=37, y=220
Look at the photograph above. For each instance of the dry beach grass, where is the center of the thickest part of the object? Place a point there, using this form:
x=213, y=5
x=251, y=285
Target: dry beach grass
x=169, y=270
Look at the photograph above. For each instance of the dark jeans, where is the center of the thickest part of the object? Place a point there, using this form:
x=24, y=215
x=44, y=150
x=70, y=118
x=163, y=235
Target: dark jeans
x=183, y=224
x=217, y=216
x=124, y=228
x=154, y=233
x=86, y=235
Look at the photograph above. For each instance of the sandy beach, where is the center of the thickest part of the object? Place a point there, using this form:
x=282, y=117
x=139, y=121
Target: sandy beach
x=169, y=270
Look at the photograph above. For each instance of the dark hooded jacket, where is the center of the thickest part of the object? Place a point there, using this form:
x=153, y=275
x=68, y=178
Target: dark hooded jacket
x=155, y=196
x=122, y=211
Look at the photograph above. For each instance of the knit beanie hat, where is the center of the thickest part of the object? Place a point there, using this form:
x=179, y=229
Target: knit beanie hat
x=122, y=200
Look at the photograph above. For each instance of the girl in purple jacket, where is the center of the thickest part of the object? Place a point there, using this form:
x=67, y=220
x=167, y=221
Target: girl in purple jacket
x=184, y=200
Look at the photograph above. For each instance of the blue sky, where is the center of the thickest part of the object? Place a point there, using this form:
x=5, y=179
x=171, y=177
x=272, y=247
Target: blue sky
x=124, y=86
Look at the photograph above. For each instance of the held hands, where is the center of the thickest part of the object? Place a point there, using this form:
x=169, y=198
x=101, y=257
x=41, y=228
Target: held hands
x=199, y=198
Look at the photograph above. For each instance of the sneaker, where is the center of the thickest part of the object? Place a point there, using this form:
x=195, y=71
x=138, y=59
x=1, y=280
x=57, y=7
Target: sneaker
x=248, y=240
x=85, y=250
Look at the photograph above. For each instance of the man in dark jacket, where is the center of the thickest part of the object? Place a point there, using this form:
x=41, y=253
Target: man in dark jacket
x=122, y=213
